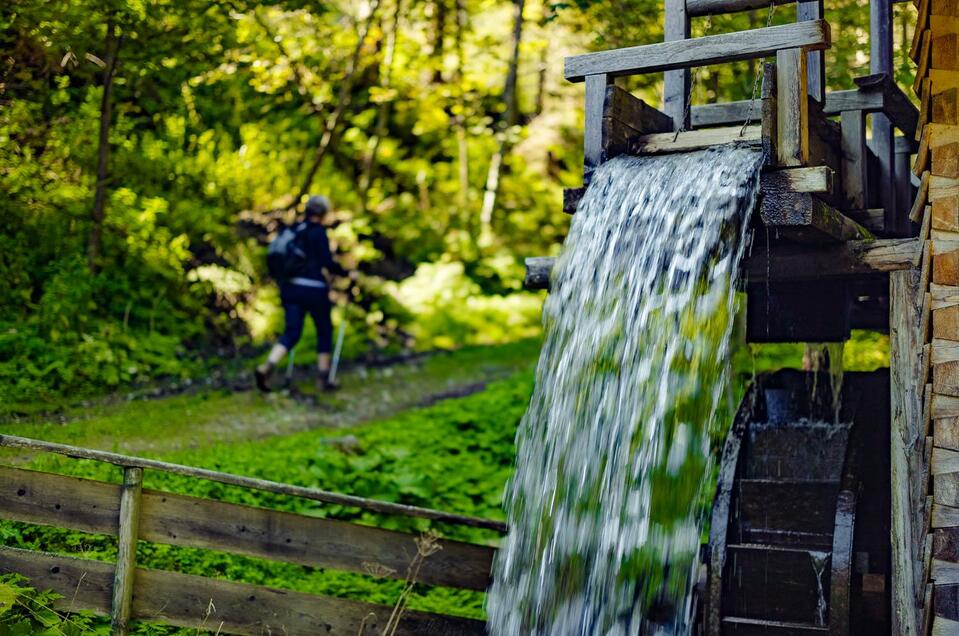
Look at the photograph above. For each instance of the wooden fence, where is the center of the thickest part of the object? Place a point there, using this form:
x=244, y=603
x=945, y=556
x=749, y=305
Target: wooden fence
x=124, y=592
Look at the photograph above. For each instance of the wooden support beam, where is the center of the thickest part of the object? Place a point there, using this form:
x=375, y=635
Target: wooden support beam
x=854, y=166
x=792, y=142
x=794, y=262
x=315, y=494
x=593, y=125
x=624, y=119
x=676, y=84
x=713, y=49
x=880, y=61
x=906, y=417
x=878, y=93
x=699, y=8
x=770, y=113
x=804, y=217
x=663, y=143
x=813, y=10
x=128, y=535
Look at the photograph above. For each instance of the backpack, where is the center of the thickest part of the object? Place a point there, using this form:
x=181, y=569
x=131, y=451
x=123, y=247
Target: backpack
x=286, y=256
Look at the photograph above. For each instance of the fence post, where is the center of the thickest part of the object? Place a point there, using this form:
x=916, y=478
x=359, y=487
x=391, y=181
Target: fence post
x=126, y=550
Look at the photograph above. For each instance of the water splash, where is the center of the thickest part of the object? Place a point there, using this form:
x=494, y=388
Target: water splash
x=606, y=502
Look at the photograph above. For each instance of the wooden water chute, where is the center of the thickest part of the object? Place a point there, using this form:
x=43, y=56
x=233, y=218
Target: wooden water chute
x=796, y=542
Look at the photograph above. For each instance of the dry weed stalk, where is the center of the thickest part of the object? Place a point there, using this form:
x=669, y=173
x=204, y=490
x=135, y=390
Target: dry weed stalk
x=426, y=545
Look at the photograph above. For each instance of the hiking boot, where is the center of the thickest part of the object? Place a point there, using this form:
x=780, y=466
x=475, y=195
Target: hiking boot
x=323, y=382
x=262, y=375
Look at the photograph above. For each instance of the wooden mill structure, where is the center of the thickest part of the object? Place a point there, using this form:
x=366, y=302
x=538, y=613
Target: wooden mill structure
x=857, y=227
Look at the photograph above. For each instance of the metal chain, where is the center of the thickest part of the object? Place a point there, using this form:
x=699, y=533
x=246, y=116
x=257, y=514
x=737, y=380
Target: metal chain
x=759, y=75
x=692, y=82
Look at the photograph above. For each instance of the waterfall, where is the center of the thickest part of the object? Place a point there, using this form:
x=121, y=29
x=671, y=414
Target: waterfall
x=606, y=505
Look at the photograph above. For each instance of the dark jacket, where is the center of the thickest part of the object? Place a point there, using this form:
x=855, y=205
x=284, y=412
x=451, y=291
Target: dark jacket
x=318, y=255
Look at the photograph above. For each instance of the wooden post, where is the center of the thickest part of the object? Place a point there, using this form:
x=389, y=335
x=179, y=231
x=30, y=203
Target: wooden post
x=676, y=84
x=593, y=128
x=813, y=10
x=880, y=61
x=792, y=102
x=906, y=344
x=770, y=110
x=854, y=168
x=902, y=170
x=126, y=550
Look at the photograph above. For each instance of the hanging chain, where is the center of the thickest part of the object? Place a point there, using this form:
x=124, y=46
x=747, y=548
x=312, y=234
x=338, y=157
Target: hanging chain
x=692, y=83
x=759, y=75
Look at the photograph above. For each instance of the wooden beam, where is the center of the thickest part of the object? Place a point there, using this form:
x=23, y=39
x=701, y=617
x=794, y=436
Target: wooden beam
x=315, y=494
x=813, y=10
x=792, y=142
x=878, y=93
x=804, y=217
x=880, y=62
x=593, y=124
x=624, y=119
x=200, y=603
x=676, y=84
x=854, y=166
x=713, y=49
x=663, y=143
x=906, y=419
x=127, y=537
x=793, y=262
x=699, y=8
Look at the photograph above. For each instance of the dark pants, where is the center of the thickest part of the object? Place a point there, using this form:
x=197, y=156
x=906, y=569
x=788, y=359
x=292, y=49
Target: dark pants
x=298, y=301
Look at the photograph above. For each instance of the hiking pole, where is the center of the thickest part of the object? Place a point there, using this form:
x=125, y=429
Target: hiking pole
x=337, y=349
x=289, y=365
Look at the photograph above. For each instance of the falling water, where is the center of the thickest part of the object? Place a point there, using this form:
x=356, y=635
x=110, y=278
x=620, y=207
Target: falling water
x=606, y=503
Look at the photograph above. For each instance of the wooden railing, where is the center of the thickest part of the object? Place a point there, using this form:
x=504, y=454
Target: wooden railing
x=124, y=592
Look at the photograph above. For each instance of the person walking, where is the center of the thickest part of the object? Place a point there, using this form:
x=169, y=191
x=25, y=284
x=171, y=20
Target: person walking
x=307, y=292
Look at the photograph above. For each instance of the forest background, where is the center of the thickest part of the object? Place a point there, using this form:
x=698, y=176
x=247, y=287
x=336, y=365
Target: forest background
x=149, y=149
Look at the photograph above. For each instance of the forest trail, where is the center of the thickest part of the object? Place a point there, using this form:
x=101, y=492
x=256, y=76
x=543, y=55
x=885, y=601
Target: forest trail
x=199, y=419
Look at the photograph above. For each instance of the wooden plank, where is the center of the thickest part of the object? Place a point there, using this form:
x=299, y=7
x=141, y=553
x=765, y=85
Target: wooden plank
x=906, y=420
x=922, y=196
x=168, y=518
x=813, y=180
x=944, y=626
x=698, y=8
x=816, y=68
x=925, y=106
x=946, y=602
x=593, y=124
x=942, y=188
x=80, y=504
x=945, y=267
x=804, y=217
x=770, y=109
x=895, y=105
x=854, y=166
x=310, y=541
x=621, y=106
x=663, y=143
x=947, y=433
x=923, y=60
x=704, y=51
x=943, y=7
x=792, y=142
x=944, y=351
x=676, y=84
x=944, y=295
x=315, y=494
x=944, y=572
x=943, y=80
x=946, y=489
x=943, y=24
x=195, y=602
x=945, y=378
x=129, y=532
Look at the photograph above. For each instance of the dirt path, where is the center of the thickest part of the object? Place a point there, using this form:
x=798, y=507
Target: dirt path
x=201, y=418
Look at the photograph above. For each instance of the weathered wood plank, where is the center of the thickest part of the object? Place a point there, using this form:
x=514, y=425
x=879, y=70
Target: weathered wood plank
x=906, y=421
x=128, y=534
x=944, y=626
x=945, y=107
x=945, y=516
x=945, y=160
x=854, y=165
x=593, y=124
x=792, y=141
x=944, y=406
x=944, y=572
x=194, y=602
x=805, y=217
x=944, y=351
x=704, y=51
x=945, y=378
x=662, y=143
x=676, y=84
x=947, y=433
x=770, y=113
x=945, y=267
x=813, y=180
x=315, y=494
x=945, y=323
x=922, y=196
x=944, y=294
x=168, y=518
x=816, y=67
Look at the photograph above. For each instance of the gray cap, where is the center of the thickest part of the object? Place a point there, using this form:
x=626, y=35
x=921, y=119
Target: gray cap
x=318, y=205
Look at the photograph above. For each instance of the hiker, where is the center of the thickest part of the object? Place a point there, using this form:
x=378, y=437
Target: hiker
x=300, y=260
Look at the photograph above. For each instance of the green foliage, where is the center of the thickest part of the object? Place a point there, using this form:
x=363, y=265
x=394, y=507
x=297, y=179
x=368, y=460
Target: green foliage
x=27, y=612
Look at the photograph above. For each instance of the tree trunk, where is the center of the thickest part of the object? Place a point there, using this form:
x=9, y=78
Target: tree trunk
x=510, y=117
x=103, y=152
x=462, y=142
x=369, y=159
x=438, y=41
x=343, y=99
